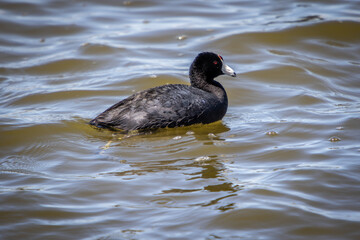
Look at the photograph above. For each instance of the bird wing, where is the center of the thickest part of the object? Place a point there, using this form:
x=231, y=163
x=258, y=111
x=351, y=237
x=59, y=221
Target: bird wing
x=163, y=106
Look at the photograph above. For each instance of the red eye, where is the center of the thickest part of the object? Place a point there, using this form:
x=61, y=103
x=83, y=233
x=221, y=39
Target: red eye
x=215, y=62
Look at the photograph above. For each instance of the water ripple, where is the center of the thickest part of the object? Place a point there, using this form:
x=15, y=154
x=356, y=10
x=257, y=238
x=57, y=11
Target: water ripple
x=283, y=163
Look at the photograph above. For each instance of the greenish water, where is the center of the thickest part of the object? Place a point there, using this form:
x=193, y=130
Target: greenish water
x=283, y=163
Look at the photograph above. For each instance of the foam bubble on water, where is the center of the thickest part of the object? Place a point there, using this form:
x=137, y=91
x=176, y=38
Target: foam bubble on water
x=202, y=159
x=211, y=135
x=182, y=37
x=334, y=139
x=272, y=133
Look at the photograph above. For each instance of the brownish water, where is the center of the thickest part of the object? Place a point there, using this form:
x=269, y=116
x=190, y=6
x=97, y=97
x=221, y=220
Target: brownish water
x=283, y=164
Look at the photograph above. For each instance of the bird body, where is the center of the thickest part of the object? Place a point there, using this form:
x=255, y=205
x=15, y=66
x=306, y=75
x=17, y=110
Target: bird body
x=173, y=105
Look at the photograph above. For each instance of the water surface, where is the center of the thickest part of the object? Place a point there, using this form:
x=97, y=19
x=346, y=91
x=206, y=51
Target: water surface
x=283, y=163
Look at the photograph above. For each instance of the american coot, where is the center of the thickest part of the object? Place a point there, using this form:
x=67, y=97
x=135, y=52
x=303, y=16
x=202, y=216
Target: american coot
x=174, y=105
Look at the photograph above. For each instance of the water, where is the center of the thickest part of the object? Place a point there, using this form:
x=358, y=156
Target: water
x=283, y=163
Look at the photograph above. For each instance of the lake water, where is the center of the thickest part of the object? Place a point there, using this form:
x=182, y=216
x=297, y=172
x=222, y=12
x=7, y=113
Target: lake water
x=283, y=164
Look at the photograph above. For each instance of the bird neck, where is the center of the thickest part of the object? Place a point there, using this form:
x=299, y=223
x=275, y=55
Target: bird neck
x=202, y=82
x=199, y=80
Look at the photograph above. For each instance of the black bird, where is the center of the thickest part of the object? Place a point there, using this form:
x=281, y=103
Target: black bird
x=174, y=105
